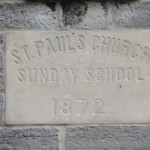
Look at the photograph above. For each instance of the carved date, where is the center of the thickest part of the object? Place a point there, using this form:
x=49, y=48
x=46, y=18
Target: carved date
x=79, y=107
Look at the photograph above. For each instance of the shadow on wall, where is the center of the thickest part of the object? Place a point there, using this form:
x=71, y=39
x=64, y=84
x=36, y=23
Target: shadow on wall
x=52, y=3
x=101, y=1
x=74, y=11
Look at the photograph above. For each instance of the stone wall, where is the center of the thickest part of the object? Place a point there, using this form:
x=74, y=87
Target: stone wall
x=23, y=15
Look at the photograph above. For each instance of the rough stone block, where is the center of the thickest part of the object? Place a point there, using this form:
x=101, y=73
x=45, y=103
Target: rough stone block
x=1, y=38
x=133, y=15
x=27, y=15
x=104, y=137
x=89, y=15
x=1, y=109
x=28, y=138
x=1, y=70
x=1, y=80
x=1, y=60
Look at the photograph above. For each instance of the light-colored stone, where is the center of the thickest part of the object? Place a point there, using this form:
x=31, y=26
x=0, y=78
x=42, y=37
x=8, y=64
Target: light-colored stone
x=63, y=77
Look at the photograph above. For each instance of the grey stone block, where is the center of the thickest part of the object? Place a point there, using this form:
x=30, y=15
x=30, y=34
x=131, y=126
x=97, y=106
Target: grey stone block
x=28, y=138
x=1, y=109
x=27, y=15
x=107, y=137
x=85, y=15
x=1, y=80
x=1, y=38
x=133, y=15
x=1, y=60
x=1, y=70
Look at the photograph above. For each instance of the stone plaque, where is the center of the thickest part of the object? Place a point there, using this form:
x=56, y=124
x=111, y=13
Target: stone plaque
x=73, y=77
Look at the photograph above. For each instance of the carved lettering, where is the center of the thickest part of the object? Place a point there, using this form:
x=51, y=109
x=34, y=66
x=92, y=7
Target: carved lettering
x=140, y=73
x=49, y=46
x=120, y=74
x=53, y=75
x=136, y=51
x=95, y=43
x=67, y=77
x=39, y=47
x=43, y=75
x=70, y=44
x=48, y=75
x=16, y=56
x=146, y=55
x=64, y=107
x=83, y=104
x=25, y=50
x=61, y=43
x=21, y=76
x=99, y=74
x=81, y=43
x=31, y=75
x=125, y=48
x=116, y=46
x=73, y=74
x=105, y=44
x=109, y=75
x=97, y=106
x=75, y=43
x=130, y=74
x=89, y=75
x=65, y=110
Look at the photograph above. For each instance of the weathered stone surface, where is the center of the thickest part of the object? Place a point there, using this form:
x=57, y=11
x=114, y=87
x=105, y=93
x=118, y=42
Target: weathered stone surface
x=26, y=16
x=1, y=60
x=1, y=51
x=89, y=15
x=1, y=38
x=78, y=77
x=1, y=70
x=105, y=137
x=1, y=109
x=28, y=138
x=1, y=79
x=134, y=15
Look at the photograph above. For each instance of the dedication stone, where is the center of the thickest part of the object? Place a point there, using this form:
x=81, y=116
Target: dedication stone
x=70, y=77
